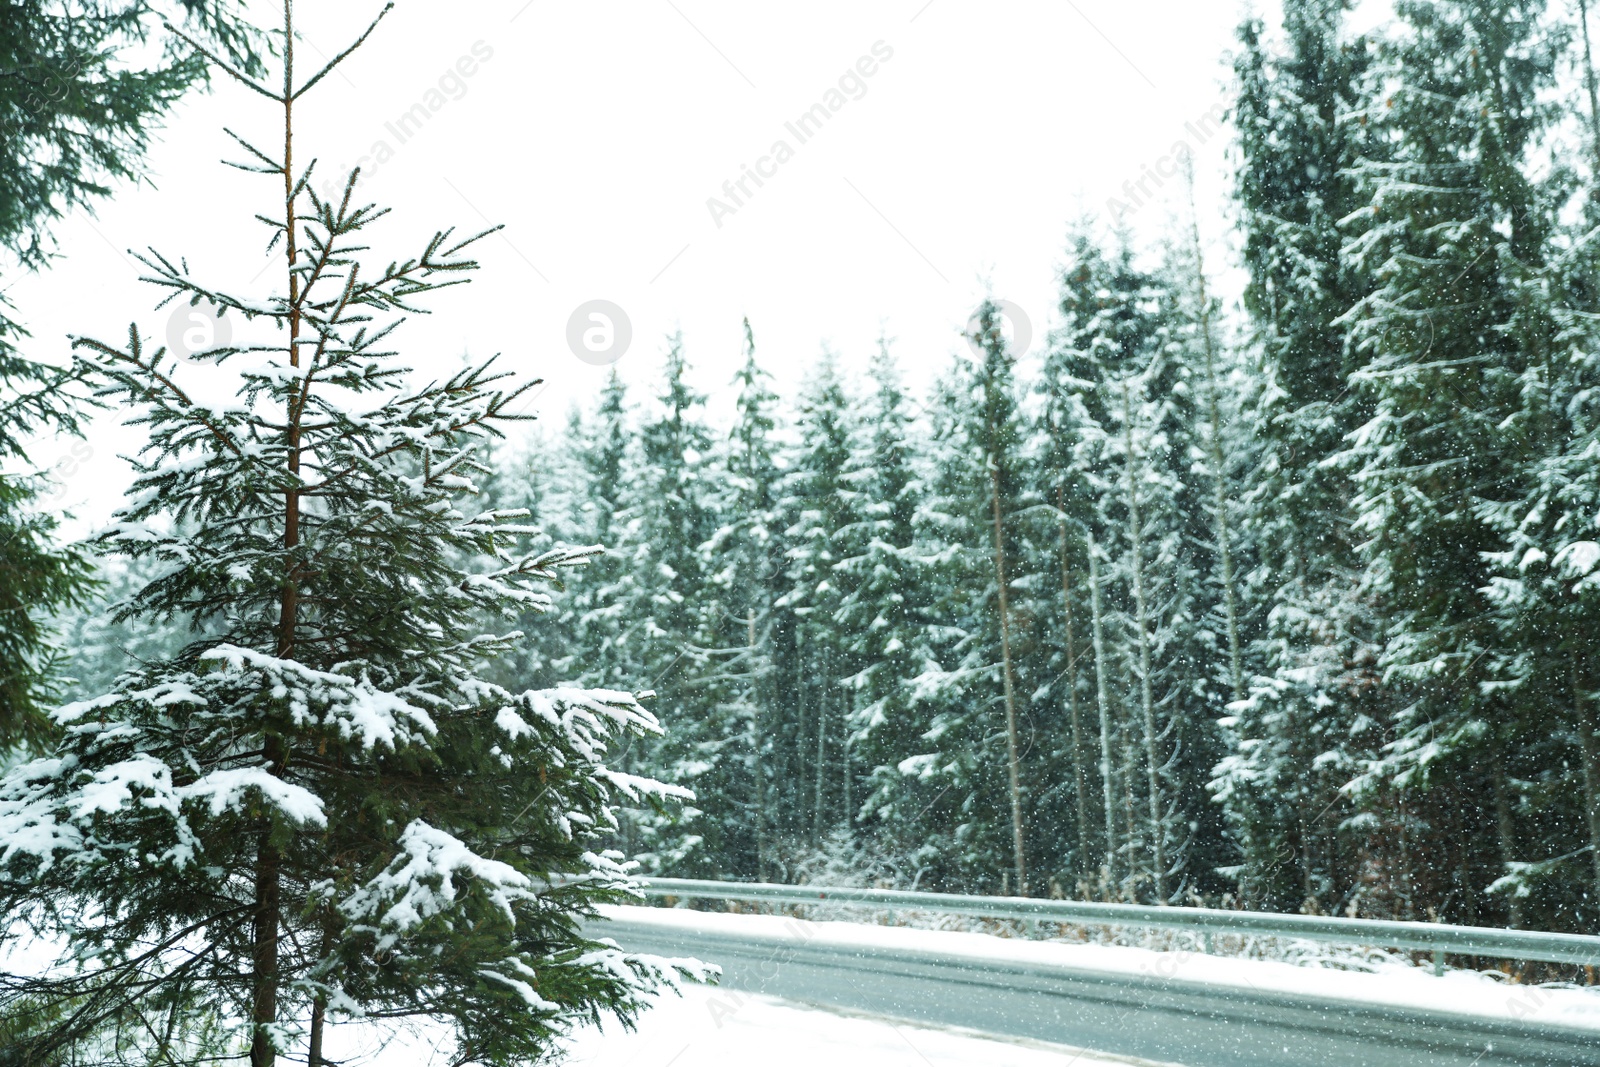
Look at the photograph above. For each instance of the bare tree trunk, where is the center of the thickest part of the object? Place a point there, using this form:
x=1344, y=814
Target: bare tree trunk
x=1230, y=596
x=822, y=737
x=1130, y=818
x=1006, y=682
x=1079, y=778
x=844, y=759
x=1589, y=83
x=1590, y=746
x=319, y=1011
x=1107, y=778
x=1506, y=825
x=1152, y=766
x=758, y=785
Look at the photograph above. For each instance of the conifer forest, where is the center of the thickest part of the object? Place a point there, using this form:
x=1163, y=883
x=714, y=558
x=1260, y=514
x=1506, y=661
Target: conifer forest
x=1267, y=577
x=1288, y=610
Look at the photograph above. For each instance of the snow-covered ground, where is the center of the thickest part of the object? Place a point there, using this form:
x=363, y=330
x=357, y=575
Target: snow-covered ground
x=705, y=1029
x=710, y=1027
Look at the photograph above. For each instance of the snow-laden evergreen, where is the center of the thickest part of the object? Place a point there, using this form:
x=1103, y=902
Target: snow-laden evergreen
x=318, y=809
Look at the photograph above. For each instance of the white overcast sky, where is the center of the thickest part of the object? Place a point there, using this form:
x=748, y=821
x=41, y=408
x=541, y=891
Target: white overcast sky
x=596, y=132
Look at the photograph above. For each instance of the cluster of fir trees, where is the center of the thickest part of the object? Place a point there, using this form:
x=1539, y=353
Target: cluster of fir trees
x=975, y=638
x=1292, y=614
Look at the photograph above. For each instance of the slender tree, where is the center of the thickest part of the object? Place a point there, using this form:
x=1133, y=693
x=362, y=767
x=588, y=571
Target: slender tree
x=275, y=823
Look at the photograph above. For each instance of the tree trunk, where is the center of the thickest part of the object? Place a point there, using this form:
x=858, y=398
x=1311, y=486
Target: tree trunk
x=1146, y=699
x=1506, y=825
x=319, y=1010
x=1230, y=596
x=844, y=759
x=264, y=943
x=1594, y=94
x=1590, y=746
x=1108, y=785
x=1079, y=778
x=822, y=735
x=757, y=730
x=267, y=911
x=1006, y=682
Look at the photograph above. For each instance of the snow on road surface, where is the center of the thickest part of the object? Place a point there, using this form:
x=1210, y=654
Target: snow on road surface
x=712, y=1027
x=1395, y=985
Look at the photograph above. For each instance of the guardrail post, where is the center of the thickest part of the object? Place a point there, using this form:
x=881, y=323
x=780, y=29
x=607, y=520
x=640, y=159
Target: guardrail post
x=1438, y=961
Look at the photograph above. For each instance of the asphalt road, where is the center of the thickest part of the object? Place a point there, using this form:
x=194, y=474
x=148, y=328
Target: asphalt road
x=1151, y=1017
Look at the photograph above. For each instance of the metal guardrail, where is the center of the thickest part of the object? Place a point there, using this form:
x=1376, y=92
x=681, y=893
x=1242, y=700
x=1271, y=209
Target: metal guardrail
x=1438, y=938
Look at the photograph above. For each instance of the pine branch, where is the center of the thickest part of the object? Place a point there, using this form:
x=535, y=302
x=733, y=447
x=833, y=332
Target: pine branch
x=132, y=356
x=336, y=60
x=228, y=68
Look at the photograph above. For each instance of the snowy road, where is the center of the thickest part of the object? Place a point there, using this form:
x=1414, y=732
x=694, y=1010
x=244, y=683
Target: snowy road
x=711, y=1028
x=708, y=1027
x=1173, y=1007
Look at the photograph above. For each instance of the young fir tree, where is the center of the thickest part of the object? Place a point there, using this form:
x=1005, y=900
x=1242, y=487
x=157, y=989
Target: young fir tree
x=317, y=810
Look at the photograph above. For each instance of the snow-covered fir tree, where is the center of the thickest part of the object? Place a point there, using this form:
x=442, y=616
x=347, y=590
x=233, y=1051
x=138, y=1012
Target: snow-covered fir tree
x=317, y=810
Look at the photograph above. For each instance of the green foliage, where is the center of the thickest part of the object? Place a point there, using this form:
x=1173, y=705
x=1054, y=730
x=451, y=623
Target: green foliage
x=317, y=808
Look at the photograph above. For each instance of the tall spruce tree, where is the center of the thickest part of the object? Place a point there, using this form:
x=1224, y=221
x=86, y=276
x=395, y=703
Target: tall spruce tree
x=1456, y=333
x=672, y=626
x=820, y=503
x=1315, y=708
x=885, y=614
x=976, y=684
x=274, y=826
